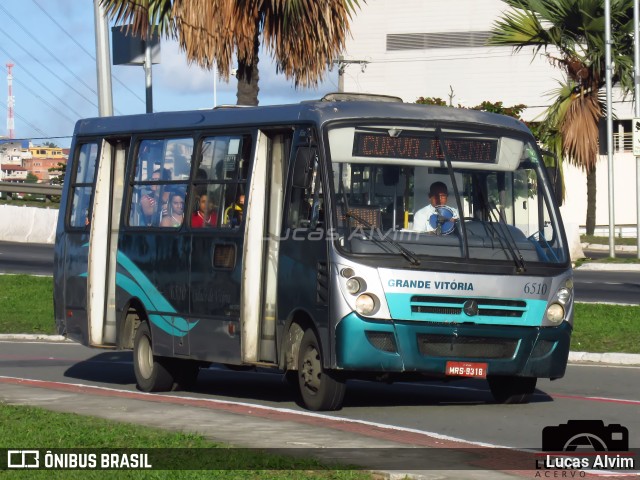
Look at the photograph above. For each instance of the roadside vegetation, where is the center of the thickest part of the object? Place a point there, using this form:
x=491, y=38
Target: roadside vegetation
x=32, y=202
x=605, y=240
x=26, y=306
x=21, y=427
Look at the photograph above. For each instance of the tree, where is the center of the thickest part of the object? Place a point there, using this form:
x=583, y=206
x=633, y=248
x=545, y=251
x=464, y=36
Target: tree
x=31, y=178
x=59, y=170
x=303, y=36
x=486, y=106
x=571, y=34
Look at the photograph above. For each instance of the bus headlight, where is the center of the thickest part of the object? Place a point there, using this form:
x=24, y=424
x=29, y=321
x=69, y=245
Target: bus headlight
x=555, y=313
x=353, y=286
x=563, y=296
x=366, y=304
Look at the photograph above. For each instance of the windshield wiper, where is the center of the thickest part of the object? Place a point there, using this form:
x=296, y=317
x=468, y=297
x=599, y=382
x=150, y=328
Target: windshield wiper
x=454, y=184
x=513, y=246
x=406, y=253
x=517, y=257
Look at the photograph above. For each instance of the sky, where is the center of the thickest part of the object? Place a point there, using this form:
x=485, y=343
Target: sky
x=52, y=46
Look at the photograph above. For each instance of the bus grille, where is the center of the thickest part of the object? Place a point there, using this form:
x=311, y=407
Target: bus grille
x=494, y=307
x=466, y=347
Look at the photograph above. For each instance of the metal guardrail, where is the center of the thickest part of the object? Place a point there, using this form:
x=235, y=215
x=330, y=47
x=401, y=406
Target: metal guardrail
x=30, y=188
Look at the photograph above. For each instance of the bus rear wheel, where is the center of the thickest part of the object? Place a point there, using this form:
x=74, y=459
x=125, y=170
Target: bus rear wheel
x=319, y=388
x=153, y=373
x=511, y=389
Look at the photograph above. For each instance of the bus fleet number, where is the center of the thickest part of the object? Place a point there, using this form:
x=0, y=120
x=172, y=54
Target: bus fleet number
x=535, y=288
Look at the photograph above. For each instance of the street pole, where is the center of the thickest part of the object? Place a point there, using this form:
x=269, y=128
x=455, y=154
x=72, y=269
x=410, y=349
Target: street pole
x=341, y=67
x=607, y=34
x=147, y=71
x=215, y=84
x=103, y=61
x=636, y=78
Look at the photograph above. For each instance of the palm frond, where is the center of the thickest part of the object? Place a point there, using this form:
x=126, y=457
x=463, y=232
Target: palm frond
x=519, y=28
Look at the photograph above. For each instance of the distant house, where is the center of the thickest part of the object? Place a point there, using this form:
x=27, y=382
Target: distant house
x=13, y=173
x=12, y=152
x=41, y=159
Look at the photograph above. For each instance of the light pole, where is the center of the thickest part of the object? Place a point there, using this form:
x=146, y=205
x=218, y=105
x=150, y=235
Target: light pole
x=607, y=34
x=103, y=61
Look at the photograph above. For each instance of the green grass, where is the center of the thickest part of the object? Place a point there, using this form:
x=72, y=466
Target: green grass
x=40, y=203
x=602, y=328
x=21, y=427
x=605, y=240
x=26, y=304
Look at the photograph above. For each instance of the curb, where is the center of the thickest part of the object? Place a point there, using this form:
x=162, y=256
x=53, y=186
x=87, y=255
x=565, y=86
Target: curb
x=610, y=267
x=617, y=248
x=574, y=357
x=607, y=358
x=31, y=337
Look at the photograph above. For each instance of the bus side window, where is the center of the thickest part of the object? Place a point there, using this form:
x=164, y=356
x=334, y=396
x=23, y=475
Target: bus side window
x=305, y=206
x=82, y=186
x=221, y=167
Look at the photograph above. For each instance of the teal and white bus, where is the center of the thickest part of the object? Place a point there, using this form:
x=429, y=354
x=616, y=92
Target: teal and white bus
x=299, y=237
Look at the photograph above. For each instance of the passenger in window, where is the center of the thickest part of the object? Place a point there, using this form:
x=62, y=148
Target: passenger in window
x=161, y=198
x=233, y=213
x=176, y=211
x=422, y=219
x=206, y=215
x=148, y=210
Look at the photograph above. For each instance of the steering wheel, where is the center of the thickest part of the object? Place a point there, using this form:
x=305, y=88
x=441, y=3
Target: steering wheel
x=442, y=221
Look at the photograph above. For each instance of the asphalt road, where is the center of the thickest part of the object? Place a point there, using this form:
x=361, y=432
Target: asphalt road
x=461, y=409
x=27, y=258
x=591, y=286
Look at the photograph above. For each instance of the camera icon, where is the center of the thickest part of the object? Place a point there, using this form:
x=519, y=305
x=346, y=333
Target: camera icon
x=589, y=435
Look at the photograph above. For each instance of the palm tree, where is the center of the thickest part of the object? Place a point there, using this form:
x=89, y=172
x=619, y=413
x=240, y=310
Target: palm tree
x=303, y=36
x=571, y=34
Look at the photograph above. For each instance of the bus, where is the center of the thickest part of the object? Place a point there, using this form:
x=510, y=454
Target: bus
x=299, y=238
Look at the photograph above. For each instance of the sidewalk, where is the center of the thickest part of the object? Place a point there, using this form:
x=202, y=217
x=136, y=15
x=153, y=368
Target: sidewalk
x=610, y=267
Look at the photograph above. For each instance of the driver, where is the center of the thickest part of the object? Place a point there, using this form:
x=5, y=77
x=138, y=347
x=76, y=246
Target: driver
x=438, y=195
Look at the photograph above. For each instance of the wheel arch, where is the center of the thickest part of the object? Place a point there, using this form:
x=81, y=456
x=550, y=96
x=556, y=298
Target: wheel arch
x=132, y=315
x=298, y=322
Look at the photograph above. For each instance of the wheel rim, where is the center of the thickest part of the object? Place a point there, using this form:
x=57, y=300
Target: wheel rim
x=311, y=370
x=145, y=357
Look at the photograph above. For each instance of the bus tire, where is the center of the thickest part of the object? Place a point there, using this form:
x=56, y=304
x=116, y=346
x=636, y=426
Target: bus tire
x=320, y=389
x=511, y=389
x=153, y=373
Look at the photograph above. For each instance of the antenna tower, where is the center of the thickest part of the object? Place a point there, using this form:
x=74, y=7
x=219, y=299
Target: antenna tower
x=10, y=102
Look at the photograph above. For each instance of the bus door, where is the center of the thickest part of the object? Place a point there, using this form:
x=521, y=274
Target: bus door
x=303, y=271
x=260, y=251
x=104, y=229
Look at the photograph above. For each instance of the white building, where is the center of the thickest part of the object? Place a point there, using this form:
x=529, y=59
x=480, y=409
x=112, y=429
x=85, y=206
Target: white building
x=418, y=48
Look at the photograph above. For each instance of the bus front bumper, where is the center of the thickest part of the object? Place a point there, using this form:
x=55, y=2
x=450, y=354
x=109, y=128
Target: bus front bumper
x=419, y=347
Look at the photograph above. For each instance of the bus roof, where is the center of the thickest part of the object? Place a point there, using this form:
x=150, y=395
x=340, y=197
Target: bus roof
x=318, y=112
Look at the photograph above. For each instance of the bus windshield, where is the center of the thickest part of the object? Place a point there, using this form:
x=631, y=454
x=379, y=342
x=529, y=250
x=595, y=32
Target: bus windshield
x=460, y=193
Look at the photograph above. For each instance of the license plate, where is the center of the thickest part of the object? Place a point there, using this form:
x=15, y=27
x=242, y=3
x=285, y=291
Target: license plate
x=466, y=369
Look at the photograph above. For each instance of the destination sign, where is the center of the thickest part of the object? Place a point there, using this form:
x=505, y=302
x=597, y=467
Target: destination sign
x=422, y=147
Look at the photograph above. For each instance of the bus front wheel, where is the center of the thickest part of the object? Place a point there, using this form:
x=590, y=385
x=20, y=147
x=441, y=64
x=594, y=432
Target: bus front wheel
x=152, y=372
x=320, y=389
x=511, y=389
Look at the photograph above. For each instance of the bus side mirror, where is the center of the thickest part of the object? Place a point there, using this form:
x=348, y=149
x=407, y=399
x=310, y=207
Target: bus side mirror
x=555, y=175
x=303, y=168
x=556, y=183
